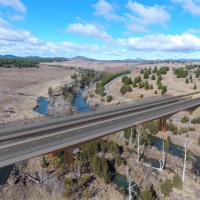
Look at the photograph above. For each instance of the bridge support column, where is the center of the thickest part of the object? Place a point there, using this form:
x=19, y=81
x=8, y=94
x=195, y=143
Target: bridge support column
x=162, y=124
x=69, y=159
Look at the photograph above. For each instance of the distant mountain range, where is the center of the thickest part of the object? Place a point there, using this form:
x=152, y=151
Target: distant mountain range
x=60, y=59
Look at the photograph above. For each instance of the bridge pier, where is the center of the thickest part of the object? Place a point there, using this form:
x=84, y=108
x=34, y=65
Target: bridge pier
x=163, y=124
x=69, y=159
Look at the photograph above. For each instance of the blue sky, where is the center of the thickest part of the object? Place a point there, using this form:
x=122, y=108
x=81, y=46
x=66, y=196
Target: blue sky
x=101, y=29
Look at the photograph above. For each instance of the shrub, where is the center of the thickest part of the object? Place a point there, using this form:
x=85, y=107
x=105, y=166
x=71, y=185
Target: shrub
x=166, y=187
x=109, y=98
x=164, y=90
x=173, y=128
x=163, y=70
x=125, y=88
x=45, y=162
x=134, y=84
x=186, y=80
x=50, y=92
x=177, y=182
x=146, y=75
x=183, y=130
x=100, y=167
x=137, y=79
x=141, y=85
x=146, y=195
x=195, y=87
x=159, y=78
x=87, y=194
x=185, y=119
x=156, y=92
x=151, y=87
x=99, y=89
x=155, y=69
x=153, y=77
x=127, y=133
x=159, y=85
x=118, y=160
x=195, y=120
x=127, y=80
x=68, y=185
x=152, y=126
x=146, y=85
x=83, y=180
x=181, y=72
x=141, y=96
x=191, y=129
x=149, y=194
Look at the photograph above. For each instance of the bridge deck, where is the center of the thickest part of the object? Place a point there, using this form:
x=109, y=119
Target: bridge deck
x=41, y=144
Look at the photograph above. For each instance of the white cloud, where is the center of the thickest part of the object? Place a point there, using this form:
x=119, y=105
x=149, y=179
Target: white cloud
x=136, y=28
x=16, y=18
x=24, y=43
x=88, y=30
x=161, y=42
x=104, y=9
x=146, y=15
x=192, y=6
x=15, y=4
x=193, y=31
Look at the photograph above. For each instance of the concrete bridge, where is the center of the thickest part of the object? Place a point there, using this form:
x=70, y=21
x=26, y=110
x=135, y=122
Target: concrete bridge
x=61, y=134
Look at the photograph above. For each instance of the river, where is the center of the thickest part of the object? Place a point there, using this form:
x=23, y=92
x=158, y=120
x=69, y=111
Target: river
x=79, y=103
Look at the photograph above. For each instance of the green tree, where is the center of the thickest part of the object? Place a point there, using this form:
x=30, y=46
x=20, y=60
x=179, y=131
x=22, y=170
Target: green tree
x=181, y=72
x=146, y=85
x=155, y=69
x=177, y=182
x=126, y=80
x=149, y=194
x=50, y=91
x=160, y=86
x=146, y=75
x=141, y=84
x=164, y=90
x=159, y=78
x=166, y=187
x=109, y=98
x=153, y=77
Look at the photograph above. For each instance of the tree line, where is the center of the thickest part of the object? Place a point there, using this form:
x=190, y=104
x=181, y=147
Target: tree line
x=18, y=62
x=106, y=78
